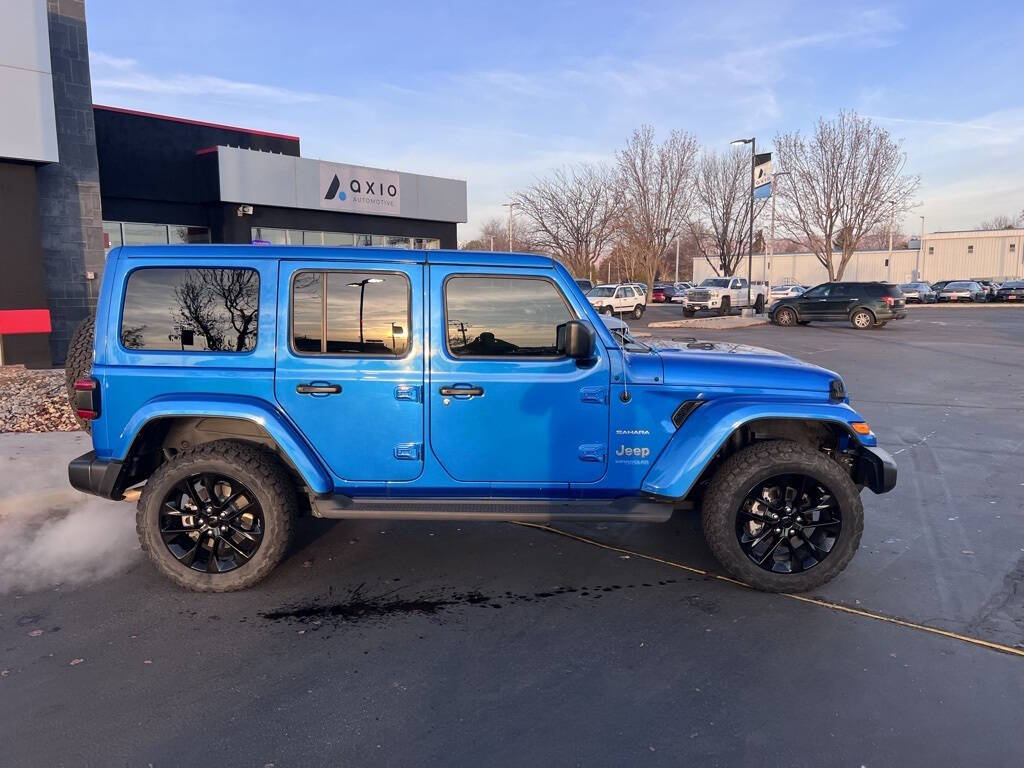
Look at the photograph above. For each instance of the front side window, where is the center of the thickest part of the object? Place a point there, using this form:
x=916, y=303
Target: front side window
x=818, y=292
x=191, y=309
x=503, y=316
x=350, y=313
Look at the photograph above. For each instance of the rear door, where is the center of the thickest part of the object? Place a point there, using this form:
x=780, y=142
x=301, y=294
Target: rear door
x=350, y=364
x=504, y=406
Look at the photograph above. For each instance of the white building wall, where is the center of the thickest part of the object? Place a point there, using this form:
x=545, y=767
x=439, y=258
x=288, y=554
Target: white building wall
x=28, y=128
x=944, y=256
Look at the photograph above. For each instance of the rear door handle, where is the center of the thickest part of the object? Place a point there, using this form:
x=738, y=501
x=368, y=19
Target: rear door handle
x=462, y=391
x=318, y=389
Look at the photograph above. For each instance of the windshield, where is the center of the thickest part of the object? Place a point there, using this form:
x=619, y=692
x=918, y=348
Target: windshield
x=909, y=287
x=715, y=282
x=602, y=291
x=1014, y=284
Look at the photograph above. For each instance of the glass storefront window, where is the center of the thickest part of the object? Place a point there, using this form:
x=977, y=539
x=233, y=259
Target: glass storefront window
x=426, y=243
x=398, y=242
x=365, y=240
x=312, y=238
x=339, y=238
x=294, y=236
x=272, y=236
x=144, y=234
x=185, y=234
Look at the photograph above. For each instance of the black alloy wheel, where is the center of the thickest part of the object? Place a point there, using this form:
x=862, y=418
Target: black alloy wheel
x=211, y=523
x=788, y=523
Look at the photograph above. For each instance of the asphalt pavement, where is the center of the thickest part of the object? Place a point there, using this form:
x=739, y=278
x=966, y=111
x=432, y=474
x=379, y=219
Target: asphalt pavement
x=495, y=644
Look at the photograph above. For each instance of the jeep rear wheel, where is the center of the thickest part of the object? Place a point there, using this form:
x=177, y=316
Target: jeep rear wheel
x=782, y=517
x=862, y=319
x=218, y=517
x=78, y=363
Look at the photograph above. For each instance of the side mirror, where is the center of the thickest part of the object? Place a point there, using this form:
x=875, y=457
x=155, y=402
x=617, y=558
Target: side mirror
x=575, y=339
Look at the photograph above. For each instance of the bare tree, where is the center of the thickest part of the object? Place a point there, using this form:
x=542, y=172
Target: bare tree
x=844, y=182
x=221, y=305
x=654, y=184
x=720, y=223
x=1000, y=222
x=572, y=214
x=494, y=235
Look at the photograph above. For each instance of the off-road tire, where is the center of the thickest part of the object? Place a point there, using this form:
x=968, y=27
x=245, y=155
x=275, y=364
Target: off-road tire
x=759, y=305
x=726, y=306
x=745, y=469
x=78, y=363
x=258, y=469
x=862, y=319
x=638, y=311
x=785, y=316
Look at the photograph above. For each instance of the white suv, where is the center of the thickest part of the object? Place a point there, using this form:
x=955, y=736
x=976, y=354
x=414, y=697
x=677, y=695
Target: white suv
x=621, y=299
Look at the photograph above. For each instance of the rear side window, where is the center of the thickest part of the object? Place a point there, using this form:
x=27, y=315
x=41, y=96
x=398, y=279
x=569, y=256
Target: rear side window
x=191, y=309
x=350, y=313
x=503, y=316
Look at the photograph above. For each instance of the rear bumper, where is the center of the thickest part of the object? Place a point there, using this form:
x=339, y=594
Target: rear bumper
x=876, y=469
x=99, y=477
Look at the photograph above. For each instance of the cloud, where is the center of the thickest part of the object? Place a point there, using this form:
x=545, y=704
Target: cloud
x=124, y=75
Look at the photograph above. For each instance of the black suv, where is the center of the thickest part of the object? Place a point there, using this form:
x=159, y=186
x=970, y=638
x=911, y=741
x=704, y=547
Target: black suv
x=864, y=305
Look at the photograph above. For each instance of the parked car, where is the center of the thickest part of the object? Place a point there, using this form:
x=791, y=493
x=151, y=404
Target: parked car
x=621, y=298
x=777, y=292
x=1011, y=290
x=962, y=290
x=584, y=284
x=681, y=288
x=863, y=305
x=990, y=287
x=723, y=294
x=662, y=292
x=918, y=293
x=444, y=385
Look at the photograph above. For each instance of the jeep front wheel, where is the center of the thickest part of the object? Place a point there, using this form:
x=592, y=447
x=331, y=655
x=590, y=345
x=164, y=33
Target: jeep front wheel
x=218, y=517
x=782, y=517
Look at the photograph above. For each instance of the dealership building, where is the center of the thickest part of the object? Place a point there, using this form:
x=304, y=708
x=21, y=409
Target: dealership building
x=77, y=179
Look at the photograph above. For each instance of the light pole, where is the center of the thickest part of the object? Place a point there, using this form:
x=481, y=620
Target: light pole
x=771, y=226
x=510, y=206
x=750, y=235
x=892, y=223
x=920, y=248
x=677, y=259
x=361, y=285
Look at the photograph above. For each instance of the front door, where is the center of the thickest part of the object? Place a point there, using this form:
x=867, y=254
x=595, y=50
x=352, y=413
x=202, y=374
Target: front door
x=504, y=406
x=350, y=364
x=813, y=304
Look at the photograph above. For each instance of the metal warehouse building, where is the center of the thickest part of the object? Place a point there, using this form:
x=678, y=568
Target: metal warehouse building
x=993, y=254
x=77, y=179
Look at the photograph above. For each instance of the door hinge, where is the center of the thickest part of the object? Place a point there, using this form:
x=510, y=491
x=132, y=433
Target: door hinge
x=594, y=395
x=409, y=451
x=408, y=392
x=592, y=452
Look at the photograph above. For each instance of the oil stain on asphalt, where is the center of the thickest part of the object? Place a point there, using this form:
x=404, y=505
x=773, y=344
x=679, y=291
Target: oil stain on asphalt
x=359, y=606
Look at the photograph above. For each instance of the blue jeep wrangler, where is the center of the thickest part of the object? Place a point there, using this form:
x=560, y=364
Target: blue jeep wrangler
x=234, y=388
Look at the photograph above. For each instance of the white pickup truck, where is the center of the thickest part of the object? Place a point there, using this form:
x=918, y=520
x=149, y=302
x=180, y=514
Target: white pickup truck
x=722, y=294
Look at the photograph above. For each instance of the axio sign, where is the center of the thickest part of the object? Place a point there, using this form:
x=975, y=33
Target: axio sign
x=356, y=189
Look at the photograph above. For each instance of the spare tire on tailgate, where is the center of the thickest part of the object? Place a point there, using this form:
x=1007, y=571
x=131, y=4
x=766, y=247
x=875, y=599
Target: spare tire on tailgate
x=78, y=364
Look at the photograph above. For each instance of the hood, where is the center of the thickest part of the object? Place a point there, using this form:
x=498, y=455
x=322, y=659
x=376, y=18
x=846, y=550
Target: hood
x=709, y=364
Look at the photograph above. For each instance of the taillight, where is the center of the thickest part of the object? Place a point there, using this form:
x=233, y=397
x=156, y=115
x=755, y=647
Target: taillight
x=889, y=300
x=87, y=399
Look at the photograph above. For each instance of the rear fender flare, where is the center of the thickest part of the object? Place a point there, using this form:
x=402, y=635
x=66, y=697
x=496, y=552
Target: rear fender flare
x=288, y=439
x=702, y=435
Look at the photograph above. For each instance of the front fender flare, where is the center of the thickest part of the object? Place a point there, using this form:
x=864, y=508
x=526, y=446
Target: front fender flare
x=695, y=444
x=257, y=411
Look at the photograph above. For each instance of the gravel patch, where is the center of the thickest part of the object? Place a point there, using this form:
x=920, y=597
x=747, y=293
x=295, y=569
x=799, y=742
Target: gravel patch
x=34, y=401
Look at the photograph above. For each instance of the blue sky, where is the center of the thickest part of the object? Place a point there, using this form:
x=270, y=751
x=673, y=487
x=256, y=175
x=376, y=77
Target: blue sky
x=499, y=93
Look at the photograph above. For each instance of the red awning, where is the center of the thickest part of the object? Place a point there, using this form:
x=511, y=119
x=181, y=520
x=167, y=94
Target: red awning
x=14, y=321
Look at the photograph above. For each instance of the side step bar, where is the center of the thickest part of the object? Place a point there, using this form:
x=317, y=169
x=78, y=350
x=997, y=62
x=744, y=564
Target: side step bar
x=630, y=509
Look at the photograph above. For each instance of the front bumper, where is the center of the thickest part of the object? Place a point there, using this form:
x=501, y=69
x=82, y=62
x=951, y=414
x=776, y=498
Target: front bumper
x=875, y=469
x=99, y=477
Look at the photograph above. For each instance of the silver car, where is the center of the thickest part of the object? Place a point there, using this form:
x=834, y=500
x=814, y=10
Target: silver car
x=918, y=293
x=966, y=290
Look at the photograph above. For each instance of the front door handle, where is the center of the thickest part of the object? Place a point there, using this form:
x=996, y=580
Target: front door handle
x=462, y=391
x=318, y=389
